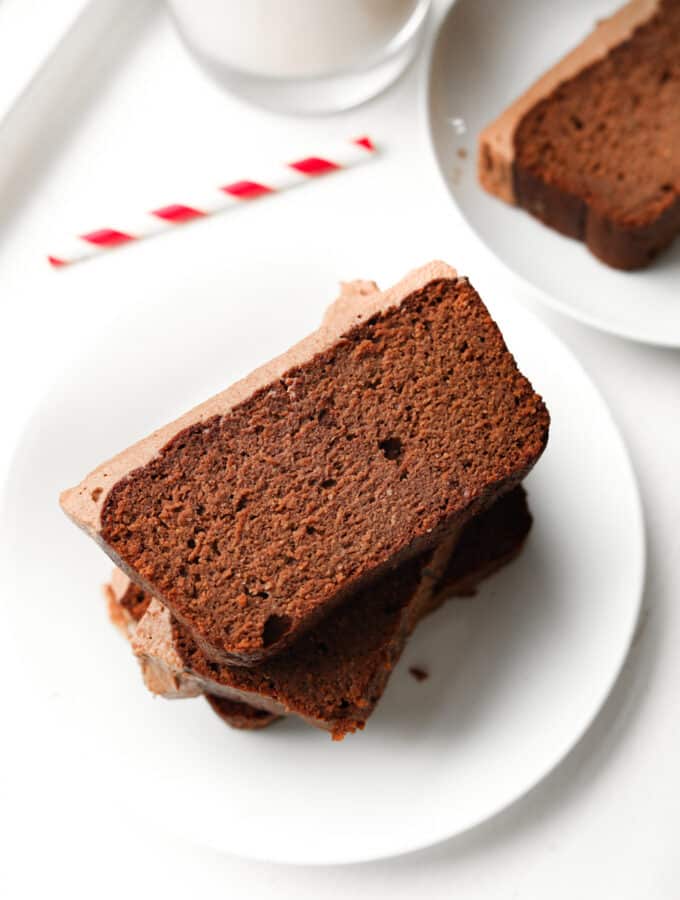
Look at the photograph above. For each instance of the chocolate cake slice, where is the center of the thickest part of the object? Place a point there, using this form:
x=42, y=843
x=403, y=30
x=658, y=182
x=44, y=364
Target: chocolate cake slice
x=334, y=675
x=127, y=603
x=592, y=149
x=256, y=513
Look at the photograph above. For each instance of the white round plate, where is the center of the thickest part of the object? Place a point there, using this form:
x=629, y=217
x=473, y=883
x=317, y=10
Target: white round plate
x=486, y=54
x=516, y=675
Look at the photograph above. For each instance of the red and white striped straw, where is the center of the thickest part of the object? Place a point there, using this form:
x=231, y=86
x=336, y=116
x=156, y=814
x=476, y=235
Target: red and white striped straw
x=228, y=196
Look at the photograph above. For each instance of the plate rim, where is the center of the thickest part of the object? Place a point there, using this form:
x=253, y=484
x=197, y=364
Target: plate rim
x=528, y=287
x=490, y=809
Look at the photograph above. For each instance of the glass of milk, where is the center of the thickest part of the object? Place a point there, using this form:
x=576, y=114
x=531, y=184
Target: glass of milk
x=303, y=56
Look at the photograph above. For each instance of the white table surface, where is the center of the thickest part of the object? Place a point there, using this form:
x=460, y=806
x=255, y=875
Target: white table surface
x=606, y=823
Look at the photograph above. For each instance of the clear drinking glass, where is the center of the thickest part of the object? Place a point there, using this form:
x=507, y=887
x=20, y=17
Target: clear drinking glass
x=303, y=56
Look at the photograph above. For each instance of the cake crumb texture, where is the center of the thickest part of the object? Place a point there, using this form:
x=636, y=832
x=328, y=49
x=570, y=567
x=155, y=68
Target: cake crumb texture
x=251, y=526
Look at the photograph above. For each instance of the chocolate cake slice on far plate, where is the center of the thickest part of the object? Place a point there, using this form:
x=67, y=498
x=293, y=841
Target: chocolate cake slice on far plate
x=592, y=149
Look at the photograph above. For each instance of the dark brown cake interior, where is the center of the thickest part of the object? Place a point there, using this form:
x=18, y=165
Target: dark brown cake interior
x=599, y=158
x=489, y=538
x=135, y=600
x=251, y=526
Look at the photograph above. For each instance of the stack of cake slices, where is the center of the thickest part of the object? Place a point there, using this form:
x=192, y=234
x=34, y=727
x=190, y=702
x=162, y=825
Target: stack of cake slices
x=277, y=545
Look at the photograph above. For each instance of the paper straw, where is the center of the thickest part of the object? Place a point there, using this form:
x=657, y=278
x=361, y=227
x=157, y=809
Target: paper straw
x=225, y=197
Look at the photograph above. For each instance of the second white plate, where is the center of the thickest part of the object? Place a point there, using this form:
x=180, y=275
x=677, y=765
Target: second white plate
x=486, y=54
x=516, y=675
